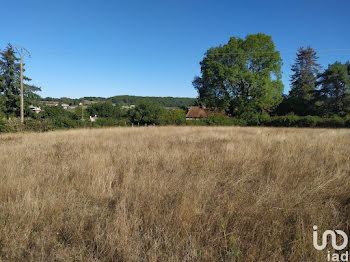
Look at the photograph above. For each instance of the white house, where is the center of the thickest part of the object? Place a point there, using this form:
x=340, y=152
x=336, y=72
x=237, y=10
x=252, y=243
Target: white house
x=128, y=107
x=93, y=118
x=35, y=109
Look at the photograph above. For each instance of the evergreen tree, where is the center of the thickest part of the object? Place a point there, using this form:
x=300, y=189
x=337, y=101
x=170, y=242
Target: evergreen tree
x=10, y=73
x=303, y=81
x=335, y=88
x=10, y=84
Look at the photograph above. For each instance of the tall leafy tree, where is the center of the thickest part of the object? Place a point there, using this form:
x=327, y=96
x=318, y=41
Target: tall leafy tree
x=105, y=109
x=334, y=85
x=10, y=84
x=147, y=113
x=243, y=75
x=303, y=81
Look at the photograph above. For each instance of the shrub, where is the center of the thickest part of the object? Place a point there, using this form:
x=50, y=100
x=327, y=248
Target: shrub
x=35, y=125
x=3, y=126
x=199, y=122
x=13, y=125
x=347, y=121
x=308, y=121
x=252, y=119
x=239, y=122
x=220, y=120
x=287, y=121
x=105, y=110
x=175, y=117
x=147, y=113
x=63, y=122
x=107, y=122
x=334, y=121
x=264, y=118
x=255, y=119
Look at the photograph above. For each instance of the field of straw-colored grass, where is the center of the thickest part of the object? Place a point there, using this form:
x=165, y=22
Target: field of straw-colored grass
x=172, y=193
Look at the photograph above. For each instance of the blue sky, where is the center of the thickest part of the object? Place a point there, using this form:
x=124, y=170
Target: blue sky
x=153, y=48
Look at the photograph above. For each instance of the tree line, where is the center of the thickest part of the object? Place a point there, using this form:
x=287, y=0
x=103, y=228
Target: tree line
x=243, y=78
x=147, y=110
x=125, y=100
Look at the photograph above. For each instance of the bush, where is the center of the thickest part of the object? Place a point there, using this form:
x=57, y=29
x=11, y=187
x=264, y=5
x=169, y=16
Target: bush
x=175, y=117
x=199, y=122
x=347, y=121
x=148, y=113
x=13, y=125
x=334, y=121
x=308, y=121
x=63, y=122
x=252, y=119
x=239, y=122
x=40, y=126
x=264, y=118
x=107, y=122
x=288, y=120
x=105, y=110
x=3, y=126
x=220, y=120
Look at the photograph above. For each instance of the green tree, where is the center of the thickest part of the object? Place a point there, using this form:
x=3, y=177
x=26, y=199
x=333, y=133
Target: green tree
x=79, y=114
x=147, y=113
x=176, y=117
x=30, y=97
x=243, y=75
x=55, y=112
x=9, y=89
x=2, y=105
x=303, y=80
x=10, y=84
x=334, y=85
x=104, y=109
x=59, y=117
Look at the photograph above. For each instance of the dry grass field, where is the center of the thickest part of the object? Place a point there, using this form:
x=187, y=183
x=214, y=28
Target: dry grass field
x=172, y=193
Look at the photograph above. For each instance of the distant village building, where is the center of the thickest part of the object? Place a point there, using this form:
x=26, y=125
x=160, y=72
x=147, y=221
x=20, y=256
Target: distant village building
x=128, y=107
x=65, y=106
x=52, y=104
x=195, y=113
x=93, y=118
x=35, y=109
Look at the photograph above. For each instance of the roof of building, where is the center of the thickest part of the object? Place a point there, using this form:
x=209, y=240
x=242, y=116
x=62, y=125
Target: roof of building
x=196, y=112
x=52, y=104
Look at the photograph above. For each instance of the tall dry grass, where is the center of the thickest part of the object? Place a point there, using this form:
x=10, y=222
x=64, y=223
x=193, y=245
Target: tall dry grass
x=172, y=193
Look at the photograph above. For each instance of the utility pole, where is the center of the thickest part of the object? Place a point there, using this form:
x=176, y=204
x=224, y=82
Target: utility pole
x=22, y=52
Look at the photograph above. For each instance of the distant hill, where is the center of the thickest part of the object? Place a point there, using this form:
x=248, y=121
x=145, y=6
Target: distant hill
x=128, y=100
